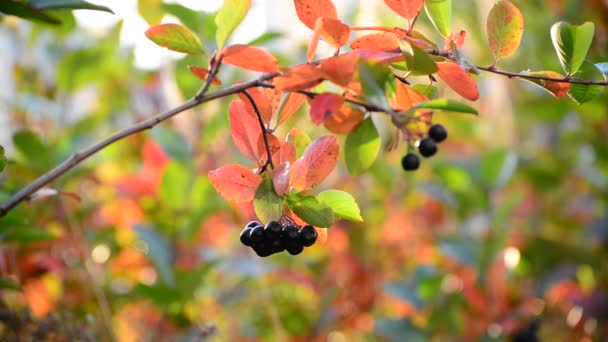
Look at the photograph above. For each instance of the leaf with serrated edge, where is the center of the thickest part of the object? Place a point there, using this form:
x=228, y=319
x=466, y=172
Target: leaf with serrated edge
x=317, y=162
x=267, y=204
x=505, y=27
x=342, y=204
x=175, y=37
x=235, y=182
x=228, y=18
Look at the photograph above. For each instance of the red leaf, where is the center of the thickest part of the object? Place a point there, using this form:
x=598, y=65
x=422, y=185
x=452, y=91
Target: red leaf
x=344, y=120
x=408, y=9
x=280, y=178
x=274, y=145
x=406, y=97
x=266, y=99
x=290, y=106
x=299, y=78
x=245, y=130
x=457, y=79
x=319, y=159
x=287, y=153
x=457, y=38
x=323, y=106
x=235, y=182
x=202, y=74
x=385, y=41
x=309, y=10
x=340, y=69
x=250, y=58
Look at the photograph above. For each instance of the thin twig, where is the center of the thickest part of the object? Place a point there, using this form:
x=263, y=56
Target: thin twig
x=264, y=132
x=80, y=156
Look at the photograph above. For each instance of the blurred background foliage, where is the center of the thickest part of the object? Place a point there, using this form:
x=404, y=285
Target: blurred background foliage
x=502, y=236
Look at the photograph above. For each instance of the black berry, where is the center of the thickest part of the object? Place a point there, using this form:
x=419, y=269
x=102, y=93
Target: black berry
x=253, y=224
x=438, y=133
x=263, y=249
x=410, y=162
x=257, y=234
x=246, y=236
x=272, y=231
x=427, y=147
x=308, y=235
x=295, y=248
x=277, y=246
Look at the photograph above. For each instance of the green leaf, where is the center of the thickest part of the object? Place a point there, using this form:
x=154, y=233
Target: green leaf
x=581, y=93
x=440, y=13
x=497, y=167
x=309, y=209
x=418, y=61
x=175, y=185
x=175, y=37
x=373, y=77
x=299, y=140
x=571, y=43
x=505, y=27
x=2, y=158
x=25, y=11
x=159, y=252
x=362, y=147
x=28, y=235
x=267, y=204
x=603, y=67
x=151, y=10
x=32, y=149
x=342, y=204
x=228, y=18
x=428, y=90
x=188, y=16
x=9, y=284
x=446, y=105
x=68, y=4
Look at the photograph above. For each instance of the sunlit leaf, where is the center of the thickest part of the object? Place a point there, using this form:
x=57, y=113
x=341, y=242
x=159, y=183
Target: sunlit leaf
x=235, y=182
x=309, y=209
x=267, y=204
x=202, y=73
x=344, y=121
x=457, y=79
x=447, y=105
x=266, y=99
x=175, y=37
x=300, y=77
x=280, y=178
x=339, y=69
x=151, y=10
x=581, y=93
x=342, y=204
x=290, y=104
x=228, y=18
x=250, y=58
x=333, y=32
x=408, y=9
x=571, y=42
x=309, y=11
x=418, y=61
x=317, y=162
x=558, y=89
x=245, y=130
x=440, y=13
x=384, y=41
x=406, y=96
x=323, y=106
x=362, y=147
x=505, y=27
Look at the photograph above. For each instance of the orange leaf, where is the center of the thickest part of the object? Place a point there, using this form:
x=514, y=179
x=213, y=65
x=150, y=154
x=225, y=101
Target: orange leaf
x=235, y=182
x=299, y=78
x=317, y=162
x=323, y=106
x=559, y=89
x=344, y=120
x=333, y=31
x=274, y=145
x=266, y=99
x=379, y=56
x=309, y=10
x=385, y=41
x=250, y=58
x=406, y=97
x=202, y=74
x=456, y=37
x=457, y=79
x=290, y=106
x=408, y=9
x=245, y=130
x=340, y=69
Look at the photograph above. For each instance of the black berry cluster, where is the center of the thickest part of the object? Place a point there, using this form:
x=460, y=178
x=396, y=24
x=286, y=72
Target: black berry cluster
x=427, y=147
x=275, y=237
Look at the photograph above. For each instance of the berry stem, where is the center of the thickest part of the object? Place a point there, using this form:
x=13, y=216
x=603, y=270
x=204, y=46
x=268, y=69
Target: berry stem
x=264, y=132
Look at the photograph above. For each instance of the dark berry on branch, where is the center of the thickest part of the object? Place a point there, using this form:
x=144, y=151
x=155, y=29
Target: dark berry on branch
x=295, y=248
x=410, y=162
x=438, y=133
x=308, y=235
x=263, y=249
x=246, y=236
x=253, y=224
x=272, y=231
x=277, y=246
x=257, y=234
x=427, y=147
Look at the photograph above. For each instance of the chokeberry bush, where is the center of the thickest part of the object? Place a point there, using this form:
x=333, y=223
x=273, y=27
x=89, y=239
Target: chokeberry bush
x=271, y=205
